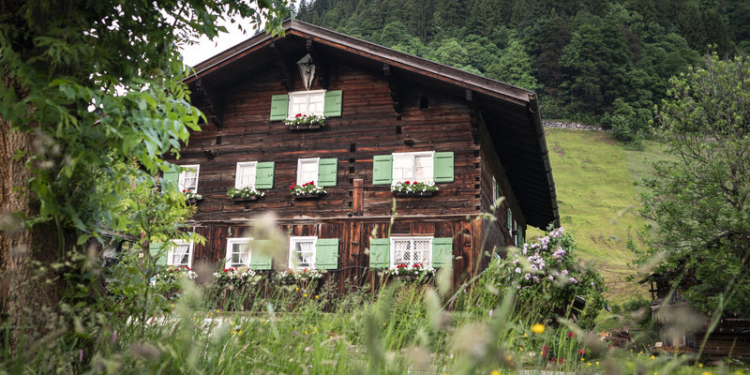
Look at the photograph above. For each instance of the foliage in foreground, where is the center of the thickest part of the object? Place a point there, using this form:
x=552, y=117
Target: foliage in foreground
x=304, y=328
x=548, y=276
x=700, y=199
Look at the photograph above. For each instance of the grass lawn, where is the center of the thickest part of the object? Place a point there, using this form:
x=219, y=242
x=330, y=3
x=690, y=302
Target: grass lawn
x=598, y=199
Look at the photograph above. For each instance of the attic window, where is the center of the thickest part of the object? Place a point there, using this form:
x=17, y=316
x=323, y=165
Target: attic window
x=306, y=103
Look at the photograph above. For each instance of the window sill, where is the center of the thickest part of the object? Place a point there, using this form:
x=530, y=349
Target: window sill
x=251, y=198
x=414, y=194
x=309, y=196
x=306, y=127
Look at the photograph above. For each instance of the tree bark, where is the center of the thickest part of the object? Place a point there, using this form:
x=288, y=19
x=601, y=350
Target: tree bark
x=24, y=294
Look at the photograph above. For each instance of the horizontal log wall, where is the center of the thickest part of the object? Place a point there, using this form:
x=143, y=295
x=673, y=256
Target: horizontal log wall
x=354, y=235
x=368, y=126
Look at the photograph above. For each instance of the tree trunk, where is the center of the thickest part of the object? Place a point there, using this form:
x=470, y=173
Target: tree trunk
x=24, y=294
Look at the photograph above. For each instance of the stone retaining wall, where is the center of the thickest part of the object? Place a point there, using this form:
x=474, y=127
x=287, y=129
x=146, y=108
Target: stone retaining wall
x=570, y=125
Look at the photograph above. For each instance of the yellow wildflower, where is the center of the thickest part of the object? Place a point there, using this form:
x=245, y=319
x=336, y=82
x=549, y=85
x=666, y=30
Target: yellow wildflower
x=305, y=295
x=538, y=328
x=316, y=296
x=597, y=363
x=700, y=365
x=525, y=335
x=297, y=289
x=239, y=333
x=706, y=373
x=583, y=359
x=520, y=348
x=495, y=372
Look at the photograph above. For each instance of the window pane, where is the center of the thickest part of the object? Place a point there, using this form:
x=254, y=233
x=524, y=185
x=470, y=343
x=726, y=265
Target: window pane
x=423, y=166
x=306, y=103
x=304, y=252
x=308, y=172
x=422, y=252
x=246, y=176
x=190, y=180
x=403, y=167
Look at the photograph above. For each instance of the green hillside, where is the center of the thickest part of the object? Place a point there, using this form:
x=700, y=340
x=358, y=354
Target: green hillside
x=598, y=199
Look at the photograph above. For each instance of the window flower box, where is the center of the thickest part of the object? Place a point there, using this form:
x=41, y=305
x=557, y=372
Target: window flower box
x=192, y=198
x=307, y=191
x=246, y=194
x=305, y=122
x=416, y=189
x=411, y=273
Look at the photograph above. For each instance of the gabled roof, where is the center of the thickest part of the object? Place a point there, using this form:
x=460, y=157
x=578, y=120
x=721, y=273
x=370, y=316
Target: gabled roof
x=510, y=113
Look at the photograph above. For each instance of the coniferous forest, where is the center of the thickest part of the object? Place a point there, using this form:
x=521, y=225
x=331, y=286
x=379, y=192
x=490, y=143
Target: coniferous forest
x=596, y=61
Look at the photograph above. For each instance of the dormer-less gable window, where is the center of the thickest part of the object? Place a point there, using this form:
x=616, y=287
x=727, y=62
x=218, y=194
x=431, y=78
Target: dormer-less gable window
x=306, y=103
x=314, y=102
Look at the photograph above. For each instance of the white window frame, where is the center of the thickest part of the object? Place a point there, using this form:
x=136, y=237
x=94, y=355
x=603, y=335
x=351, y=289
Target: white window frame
x=181, y=180
x=293, y=241
x=425, y=262
x=306, y=95
x=171, y=254
x=245, y=164
x=230, y=251
x=413, y=156
x=299, y=170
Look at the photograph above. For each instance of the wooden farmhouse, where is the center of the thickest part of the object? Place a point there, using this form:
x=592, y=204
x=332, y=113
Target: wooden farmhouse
x=390, y=118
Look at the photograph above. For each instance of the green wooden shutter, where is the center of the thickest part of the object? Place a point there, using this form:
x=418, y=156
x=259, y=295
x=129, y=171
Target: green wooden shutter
x=170, y=180
x=264, y=175
x=519, y=237
x=327, y=169
x=509, y=216
x=258, y=260
x=380, y=252
x=382, y=169
x=155, y=249
x=443, y=167
x=442, y=252
x=332, y=105
x=279, y=107
x=327, y=253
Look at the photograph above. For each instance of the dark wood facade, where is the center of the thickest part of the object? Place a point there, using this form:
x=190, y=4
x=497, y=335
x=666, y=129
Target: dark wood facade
x=386, y=109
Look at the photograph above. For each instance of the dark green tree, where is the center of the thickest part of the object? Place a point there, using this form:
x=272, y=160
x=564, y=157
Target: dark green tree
x=515, y=67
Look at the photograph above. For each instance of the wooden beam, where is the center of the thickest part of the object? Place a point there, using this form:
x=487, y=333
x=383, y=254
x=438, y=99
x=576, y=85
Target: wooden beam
x=320, y=60
x=213, y=102
x=474, y=115
x=397, y=95
x=287, y=69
